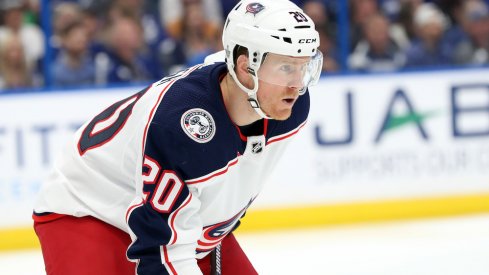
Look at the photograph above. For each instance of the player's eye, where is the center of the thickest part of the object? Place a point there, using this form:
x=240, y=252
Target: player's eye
x=287, y=68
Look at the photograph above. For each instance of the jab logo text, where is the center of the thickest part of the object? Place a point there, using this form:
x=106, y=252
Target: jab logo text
x=466, y=118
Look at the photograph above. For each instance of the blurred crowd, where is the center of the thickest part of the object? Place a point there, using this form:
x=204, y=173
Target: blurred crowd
x=89, y=42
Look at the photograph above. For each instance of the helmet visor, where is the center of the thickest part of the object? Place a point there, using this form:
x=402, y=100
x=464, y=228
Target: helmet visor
x=287, y=71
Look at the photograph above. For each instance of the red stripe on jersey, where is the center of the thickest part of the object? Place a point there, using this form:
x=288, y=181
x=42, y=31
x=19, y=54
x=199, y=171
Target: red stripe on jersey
x=152, y=112
x=265, y=126
x=214, y=174
x=173, y=216
x=167, y=261
x=286, y=135
x=47, y=218
x=245, y=138
x=241, y=136
x=150, y=169
x=118, y=110
x=128, y=212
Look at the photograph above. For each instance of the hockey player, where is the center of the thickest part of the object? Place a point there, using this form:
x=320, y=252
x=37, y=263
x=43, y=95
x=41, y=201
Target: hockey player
x=156, y=183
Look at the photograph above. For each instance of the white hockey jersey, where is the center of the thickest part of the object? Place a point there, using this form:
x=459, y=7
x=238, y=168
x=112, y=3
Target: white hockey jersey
x=168, y=166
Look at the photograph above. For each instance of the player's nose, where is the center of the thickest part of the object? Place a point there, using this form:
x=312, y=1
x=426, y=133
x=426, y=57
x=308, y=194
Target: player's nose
x=293, y=91
x=295, y=80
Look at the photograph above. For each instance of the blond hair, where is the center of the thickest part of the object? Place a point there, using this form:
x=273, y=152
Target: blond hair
x=15, y=72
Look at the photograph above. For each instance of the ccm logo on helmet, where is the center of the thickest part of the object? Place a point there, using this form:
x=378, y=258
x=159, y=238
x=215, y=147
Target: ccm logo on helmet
x=307, y=41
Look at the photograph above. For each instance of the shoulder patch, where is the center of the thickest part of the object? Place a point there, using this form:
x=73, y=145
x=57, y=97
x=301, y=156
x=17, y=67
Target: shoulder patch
x=199, y=125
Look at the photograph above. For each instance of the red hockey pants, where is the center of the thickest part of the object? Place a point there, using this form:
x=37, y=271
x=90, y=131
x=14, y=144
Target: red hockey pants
x=86, y=246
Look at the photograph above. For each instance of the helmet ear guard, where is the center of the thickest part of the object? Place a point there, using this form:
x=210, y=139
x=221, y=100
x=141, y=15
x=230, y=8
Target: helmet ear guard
x=252, y=97
x=265, y=27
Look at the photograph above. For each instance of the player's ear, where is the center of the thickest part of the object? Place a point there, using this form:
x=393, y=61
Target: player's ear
x=242, y=71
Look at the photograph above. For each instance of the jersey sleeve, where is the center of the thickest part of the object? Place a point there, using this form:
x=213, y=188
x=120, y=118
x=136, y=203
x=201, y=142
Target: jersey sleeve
x=165, y=225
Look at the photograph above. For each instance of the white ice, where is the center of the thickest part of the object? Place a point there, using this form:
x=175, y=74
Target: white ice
x=448, y=246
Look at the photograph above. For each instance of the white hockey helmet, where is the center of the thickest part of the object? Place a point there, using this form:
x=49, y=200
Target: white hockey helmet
x=272, y=26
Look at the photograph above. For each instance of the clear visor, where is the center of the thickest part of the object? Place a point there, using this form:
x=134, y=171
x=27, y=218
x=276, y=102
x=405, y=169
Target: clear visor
x=287, y=71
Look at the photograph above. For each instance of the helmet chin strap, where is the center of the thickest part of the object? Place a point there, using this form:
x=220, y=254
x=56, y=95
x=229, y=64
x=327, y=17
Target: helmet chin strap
x=252, y=93
x=253, y=100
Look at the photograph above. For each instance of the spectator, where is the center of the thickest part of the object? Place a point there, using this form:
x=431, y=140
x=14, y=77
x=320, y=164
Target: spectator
x=360, y=11
x=172, y=13
x=452, y=8
x=429, y=48
x=90, y=18
x=406, y=15
x=64, y=14
x=377, y=52
x=125, y=59
x=92, y=14
x=32, y=12
x=14, y=70
x=391, y=9
x=73, y=66
x=199, y=36
x=455, y=35
x=317, y=10
x=194, y=37
x=473, y=47
x=146, y=15
x=31, y=35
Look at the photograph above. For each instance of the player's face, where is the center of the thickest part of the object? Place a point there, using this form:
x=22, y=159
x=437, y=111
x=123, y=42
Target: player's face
x=277, y=101
x=280, y=79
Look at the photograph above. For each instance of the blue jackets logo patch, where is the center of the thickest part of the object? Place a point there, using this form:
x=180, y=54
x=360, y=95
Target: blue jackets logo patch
x=199, y=125
x=254, y=8
x=212, y=235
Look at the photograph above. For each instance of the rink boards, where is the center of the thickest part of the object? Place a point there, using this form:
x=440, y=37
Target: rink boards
x=376, y=147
